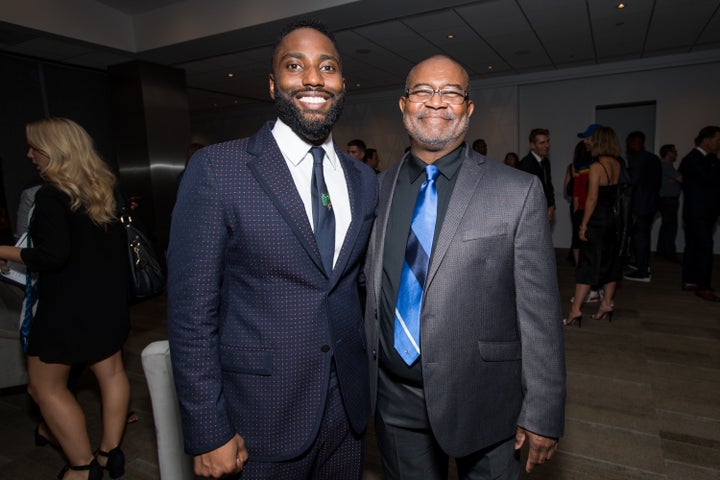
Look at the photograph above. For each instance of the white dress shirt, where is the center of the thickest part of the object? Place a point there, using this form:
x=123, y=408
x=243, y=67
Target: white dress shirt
x=296, y=152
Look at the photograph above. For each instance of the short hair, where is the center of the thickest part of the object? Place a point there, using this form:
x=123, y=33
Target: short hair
x=357, y=143
x=636, y=134
x=605, y=143
x=706, y=132
x=538, y=131
x=466, y=75
x=298, y=24
x=478, y=142
x=665, y=149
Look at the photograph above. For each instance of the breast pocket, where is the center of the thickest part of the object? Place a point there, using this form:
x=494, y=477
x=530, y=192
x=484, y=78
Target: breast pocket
x=479, y=233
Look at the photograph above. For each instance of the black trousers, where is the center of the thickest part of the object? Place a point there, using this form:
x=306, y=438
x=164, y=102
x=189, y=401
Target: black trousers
x=698, y=257
x=641, y=241
x=668, y=208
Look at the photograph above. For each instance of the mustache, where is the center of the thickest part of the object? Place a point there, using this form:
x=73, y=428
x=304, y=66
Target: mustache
x=446, y=115
x=312, y=90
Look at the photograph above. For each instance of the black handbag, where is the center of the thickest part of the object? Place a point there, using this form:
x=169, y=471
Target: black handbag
x=147, y=277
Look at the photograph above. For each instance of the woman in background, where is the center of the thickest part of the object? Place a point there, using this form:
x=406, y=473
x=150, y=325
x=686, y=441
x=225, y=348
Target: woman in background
x=599, y=260
x=79, y=251
x=512, y=159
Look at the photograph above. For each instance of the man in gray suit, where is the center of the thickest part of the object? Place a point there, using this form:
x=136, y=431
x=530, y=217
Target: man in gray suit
x=480, y=372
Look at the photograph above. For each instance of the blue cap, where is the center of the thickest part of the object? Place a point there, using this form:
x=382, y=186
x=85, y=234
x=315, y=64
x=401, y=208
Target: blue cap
x=589, y=130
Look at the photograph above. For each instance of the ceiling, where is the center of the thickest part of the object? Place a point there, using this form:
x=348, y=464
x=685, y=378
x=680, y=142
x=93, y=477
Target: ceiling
x=379, y=40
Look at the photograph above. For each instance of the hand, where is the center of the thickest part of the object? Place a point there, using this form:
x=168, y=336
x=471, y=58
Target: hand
x=581, y=233
x=551, y=213
x=541, y=448
x=225, y=460
x=4, y=266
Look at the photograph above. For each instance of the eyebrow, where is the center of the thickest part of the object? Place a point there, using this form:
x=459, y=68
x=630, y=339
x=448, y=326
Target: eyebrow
x=454, y=85
x=301, y=56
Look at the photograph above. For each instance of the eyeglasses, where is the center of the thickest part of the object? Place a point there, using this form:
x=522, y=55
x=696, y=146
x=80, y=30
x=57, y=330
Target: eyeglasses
x=424, y=95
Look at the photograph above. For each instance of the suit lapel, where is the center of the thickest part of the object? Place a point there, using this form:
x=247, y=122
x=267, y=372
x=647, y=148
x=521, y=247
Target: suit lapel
x=469, y=175
x=271, y=172
x=353, y=179
x=388, y=180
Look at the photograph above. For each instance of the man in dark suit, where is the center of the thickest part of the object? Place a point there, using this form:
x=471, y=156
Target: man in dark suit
x=265, y=320
x=646, y=177
x=537, y=163
x=700, y=170
x=463, y=317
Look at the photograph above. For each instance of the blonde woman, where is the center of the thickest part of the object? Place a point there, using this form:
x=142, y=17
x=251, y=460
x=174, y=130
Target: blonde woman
x=600, y=262
x=79, y=252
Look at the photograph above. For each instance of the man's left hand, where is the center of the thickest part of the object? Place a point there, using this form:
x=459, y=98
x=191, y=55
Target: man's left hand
x=541, y=448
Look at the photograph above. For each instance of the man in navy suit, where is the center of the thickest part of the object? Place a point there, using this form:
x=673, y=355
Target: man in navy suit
x=265, y=321
x=700, y=170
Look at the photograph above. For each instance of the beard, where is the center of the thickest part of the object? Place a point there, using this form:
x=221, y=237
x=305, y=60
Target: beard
x=316, y=128
x=436, y=139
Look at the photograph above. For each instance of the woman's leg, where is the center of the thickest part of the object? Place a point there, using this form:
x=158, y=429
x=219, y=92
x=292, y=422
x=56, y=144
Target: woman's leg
x=607, y=302
x=115, y=392
x=581, y=291
x=47, y=384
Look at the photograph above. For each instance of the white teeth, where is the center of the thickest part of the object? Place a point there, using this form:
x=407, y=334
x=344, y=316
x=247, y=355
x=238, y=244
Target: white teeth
x=312, y=100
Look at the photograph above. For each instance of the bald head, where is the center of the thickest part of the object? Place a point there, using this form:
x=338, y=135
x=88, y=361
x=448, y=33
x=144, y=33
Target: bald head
x=440, y=61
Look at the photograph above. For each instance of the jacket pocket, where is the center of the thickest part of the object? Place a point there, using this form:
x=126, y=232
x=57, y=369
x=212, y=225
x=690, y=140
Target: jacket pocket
x=254, y=362
x=500, y=351
x=488, y=232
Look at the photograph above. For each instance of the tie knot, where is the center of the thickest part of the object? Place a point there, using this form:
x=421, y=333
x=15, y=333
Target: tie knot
x=318, y=153
x=432, y=172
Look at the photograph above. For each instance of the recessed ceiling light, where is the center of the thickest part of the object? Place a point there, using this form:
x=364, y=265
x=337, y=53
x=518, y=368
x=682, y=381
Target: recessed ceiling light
x=451, y=36
x=357, y=84
x=620, y=6
x=490, y=67
x=231, y=75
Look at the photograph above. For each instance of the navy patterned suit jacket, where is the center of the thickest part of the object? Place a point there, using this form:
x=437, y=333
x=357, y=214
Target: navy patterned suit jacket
x=254, y=321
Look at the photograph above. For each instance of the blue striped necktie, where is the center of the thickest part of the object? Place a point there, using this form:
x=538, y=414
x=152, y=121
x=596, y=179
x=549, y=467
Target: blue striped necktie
x=414, y=271
x=323, y=217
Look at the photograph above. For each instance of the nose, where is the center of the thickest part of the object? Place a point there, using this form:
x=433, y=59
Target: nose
x=30, y=154
x=313, y=77
x=436, y=101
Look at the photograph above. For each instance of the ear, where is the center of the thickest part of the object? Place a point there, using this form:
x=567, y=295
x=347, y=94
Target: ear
x=470, y=108
x=271, y=81
x=402, y=103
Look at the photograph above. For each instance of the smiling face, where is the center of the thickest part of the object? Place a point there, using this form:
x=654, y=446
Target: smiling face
x=436, y=127
x=307, y=84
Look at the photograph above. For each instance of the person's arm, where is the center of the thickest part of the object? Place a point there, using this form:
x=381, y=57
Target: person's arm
x=541, y=419
x=592, y=196
x=196, y=256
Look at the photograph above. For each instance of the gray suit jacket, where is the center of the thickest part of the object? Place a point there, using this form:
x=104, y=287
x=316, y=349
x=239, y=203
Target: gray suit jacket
x=491, y=330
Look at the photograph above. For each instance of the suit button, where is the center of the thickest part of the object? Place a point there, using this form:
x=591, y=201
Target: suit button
x=325, y=348
x=374, y=353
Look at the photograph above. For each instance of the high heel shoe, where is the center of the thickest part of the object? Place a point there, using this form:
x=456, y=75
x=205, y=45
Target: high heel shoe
x=95, y=471
x=569, y=321
x=41, y=440
x=601, y=314
x=115, y=461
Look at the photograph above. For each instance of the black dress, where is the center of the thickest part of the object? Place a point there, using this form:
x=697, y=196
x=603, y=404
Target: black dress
x=82, y=312
x=599, y=260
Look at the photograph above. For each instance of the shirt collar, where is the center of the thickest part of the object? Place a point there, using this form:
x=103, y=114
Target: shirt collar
x=295, y=149
x=702, y=151
x=448, y=165
x=537, y=157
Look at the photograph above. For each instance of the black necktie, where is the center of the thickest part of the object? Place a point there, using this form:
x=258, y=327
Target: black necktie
x=323, y=217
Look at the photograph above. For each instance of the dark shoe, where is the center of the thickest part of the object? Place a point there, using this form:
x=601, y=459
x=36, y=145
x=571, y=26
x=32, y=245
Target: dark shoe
x=95, y=470
x=637, y=277
x=601, y=314
x=40, y=439
x=708, y=295
x=569, y=321
x=689, y=287
x=115, y=461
